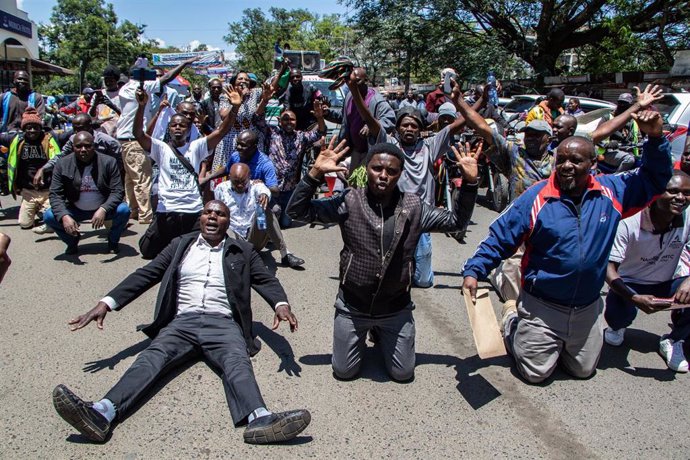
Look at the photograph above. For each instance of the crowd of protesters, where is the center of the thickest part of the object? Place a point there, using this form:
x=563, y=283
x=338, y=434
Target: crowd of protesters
x=191, y=169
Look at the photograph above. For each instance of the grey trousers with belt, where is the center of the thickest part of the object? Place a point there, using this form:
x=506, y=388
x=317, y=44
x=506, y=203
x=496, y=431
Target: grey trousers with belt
x=545, y=333
x=215, y=337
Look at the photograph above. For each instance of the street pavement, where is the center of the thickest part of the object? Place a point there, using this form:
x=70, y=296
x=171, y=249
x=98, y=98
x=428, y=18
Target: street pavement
x=458, y=406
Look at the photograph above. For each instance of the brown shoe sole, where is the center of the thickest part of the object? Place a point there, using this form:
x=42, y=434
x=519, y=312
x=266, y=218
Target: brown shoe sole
x=282, y=430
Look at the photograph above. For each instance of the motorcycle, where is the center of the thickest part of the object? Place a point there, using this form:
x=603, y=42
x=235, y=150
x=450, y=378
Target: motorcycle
x=604, y=167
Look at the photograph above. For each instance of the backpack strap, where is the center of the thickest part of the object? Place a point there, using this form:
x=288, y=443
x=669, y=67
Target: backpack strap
x=188, y=166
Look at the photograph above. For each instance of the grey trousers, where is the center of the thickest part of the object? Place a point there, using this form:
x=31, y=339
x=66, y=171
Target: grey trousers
x=218, y=338
x=259, y=238
x=546, y=332
x=396, y=336
x=507, y=277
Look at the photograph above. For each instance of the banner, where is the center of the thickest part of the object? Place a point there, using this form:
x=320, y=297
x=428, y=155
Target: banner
x=208, y=58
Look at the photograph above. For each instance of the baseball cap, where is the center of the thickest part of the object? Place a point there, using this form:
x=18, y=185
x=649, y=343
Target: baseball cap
x=538, y=125
x=625, y=97
x=447, y=109
x=87, y=90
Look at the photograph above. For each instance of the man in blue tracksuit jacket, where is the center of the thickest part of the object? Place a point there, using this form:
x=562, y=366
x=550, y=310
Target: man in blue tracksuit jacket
x=567, y=223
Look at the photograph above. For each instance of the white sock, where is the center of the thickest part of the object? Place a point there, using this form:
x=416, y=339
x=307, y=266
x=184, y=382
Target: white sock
x=258, y=413
x=106, y=408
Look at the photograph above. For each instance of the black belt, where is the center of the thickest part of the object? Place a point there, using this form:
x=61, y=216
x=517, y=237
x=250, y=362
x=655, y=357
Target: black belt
x=126, y=139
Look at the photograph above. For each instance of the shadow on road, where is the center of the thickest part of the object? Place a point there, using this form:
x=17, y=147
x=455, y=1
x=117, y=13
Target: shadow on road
x=281, y=347
x=642, y=342
x=109, y=363
x=98, y=248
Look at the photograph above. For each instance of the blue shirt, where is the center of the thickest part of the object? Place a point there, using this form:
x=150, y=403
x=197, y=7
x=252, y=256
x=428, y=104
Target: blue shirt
x=260, y=167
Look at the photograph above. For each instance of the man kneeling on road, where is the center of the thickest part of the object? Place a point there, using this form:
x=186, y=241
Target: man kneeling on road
x=203, y=309
x=381, y=227
x=568, y=224
x=86, y=185
x=642, y=266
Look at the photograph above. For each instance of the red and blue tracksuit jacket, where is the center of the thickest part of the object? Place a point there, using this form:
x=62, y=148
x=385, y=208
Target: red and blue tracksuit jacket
x=566, y=250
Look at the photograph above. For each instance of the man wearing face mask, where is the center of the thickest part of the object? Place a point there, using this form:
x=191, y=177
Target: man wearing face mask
x=567, y=225
x=86, y=185
x=16, y=100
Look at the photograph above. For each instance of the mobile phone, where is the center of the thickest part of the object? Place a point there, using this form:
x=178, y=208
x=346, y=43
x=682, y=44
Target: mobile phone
x=447, y=86
x=142, y=74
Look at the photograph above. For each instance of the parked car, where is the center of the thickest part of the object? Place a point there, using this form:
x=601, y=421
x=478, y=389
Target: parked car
x=522, y=103
x=588, y=122
x=675, y=108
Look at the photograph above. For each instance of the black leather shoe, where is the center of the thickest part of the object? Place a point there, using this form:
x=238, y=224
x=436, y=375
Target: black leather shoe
x=79, y=413
x=278, y=427
x=292, y=261
x=114, y=248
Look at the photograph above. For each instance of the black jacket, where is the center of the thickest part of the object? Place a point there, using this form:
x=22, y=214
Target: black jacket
x=207, y=109
x=242, y=268
x=377, y=259
x=66, y=184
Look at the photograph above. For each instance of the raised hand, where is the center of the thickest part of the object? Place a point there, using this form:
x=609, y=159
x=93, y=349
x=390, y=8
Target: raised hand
x=267, y=91
x=328, y=159
x=318, y=110
x=233, y=96
x=650, y=122
x=651, y=94
x=142, y=97
x=467, y=161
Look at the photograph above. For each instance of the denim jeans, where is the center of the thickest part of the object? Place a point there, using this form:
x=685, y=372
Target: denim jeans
x=423, y=274
x=119, y=217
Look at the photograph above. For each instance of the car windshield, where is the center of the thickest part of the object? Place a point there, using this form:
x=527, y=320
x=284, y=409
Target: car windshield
x=666, y=105
x=336, y=97
x=519, y=105
x=593, y=115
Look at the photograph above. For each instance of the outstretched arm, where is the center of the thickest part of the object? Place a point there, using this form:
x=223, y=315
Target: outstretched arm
x=645, y=99
x=142, y=137
x=170, y=76
x=372, y=124
x=219, y=133
x=470, y=116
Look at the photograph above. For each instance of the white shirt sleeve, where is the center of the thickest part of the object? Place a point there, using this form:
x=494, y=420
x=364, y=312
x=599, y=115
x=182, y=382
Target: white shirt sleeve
x=260, y=189
x=111, y=303
x=620, y=243
x=156, y=150
x=153, y=86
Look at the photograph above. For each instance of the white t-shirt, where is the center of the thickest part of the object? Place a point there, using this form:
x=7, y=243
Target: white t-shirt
x=128, y=106
x=177, y=188
x=646, y=257
x=242, y=206
x=90, y=198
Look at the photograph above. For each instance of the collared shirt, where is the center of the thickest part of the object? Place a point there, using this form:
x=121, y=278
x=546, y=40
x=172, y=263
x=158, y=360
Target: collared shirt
x=260, y=167
x=242, y=206
x=285, y=150
x=201, y=284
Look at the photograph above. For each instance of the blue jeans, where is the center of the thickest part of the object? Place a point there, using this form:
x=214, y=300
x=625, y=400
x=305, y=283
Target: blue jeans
x=620, y=314
x=280, y=205
x=119, y=218
x=423, y=274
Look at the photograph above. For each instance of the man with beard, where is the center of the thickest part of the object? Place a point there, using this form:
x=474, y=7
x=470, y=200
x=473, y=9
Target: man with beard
x=16, y=100
x=380, y=226
x=86, y=186
x=567, y=224
x=420, y=156
x=650, y=261
x=179, y=193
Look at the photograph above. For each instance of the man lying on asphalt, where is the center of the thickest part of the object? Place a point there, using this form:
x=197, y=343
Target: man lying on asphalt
x=203, y=309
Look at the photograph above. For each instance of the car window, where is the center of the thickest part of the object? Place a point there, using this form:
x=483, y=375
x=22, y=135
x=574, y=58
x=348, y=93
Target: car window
x=588, y=107
x=667, y=105
x=519, y=105
x=592, y=115
x=336, y=97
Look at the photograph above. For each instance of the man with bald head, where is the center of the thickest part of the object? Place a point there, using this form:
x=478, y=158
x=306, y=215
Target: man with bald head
x=86, y=185
x=261, y=169
x=567, y=224
x=243, y=197
x=352, y=126
x=16, y=100
x=203, y=310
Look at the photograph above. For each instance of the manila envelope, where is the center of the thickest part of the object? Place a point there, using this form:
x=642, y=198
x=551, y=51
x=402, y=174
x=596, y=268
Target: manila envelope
x=487, y=335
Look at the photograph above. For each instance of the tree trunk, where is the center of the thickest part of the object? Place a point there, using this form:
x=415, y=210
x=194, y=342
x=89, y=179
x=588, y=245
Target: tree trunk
x=544, y=66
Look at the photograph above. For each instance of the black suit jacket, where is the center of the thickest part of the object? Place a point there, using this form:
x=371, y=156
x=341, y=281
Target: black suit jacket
x=207, y=108
x=242, y=267
x=66, y=183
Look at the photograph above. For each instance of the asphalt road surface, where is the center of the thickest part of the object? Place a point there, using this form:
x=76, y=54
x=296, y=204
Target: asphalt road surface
x=458, y=406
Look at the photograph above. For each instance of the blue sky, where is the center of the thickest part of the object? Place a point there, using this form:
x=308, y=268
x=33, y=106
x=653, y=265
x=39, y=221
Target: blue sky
x=181, y=22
